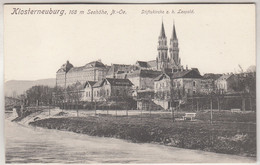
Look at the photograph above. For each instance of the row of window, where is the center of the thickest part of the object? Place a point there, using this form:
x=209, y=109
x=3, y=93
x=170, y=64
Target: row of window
x=98, y=93
x=105, y=93
x=165, y=84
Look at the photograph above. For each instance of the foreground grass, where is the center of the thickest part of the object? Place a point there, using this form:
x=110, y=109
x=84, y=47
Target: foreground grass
x=221, y=137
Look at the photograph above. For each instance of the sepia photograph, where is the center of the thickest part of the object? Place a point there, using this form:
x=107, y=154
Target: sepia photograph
x=130, y=83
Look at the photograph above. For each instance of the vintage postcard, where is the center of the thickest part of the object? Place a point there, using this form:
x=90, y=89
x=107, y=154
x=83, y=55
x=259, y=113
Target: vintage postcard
x=130, y=83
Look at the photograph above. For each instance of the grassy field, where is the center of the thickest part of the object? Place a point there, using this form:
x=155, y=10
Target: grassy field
x=230, y=133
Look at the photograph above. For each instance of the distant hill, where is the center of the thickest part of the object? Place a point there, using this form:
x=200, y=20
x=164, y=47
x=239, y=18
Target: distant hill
x=17, y=87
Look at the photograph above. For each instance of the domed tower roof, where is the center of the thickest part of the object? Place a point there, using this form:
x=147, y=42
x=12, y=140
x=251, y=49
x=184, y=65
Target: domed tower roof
x=67, y=66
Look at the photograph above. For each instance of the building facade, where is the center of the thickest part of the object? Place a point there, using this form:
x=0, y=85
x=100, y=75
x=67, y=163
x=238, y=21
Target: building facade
x=68, y=74
x=176, y=86
x=226, y=83
x=112, y=89
x=88, y=91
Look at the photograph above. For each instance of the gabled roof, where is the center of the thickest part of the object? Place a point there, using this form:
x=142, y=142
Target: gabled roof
x=160, y=77
x=144, y=73
x=179, y=74
x=186, y=74
x=98, y=84
x=119, y=67
x=142, y=64
x=152, y=63
x=225, y=77
x=119, y=82
x=114, y=82
x=91, y=83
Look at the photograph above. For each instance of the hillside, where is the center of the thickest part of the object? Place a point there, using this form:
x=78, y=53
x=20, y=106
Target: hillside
x=17, y=87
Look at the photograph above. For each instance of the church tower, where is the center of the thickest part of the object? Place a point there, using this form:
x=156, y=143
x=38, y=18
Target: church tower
x=162, y=57
x=174, y=60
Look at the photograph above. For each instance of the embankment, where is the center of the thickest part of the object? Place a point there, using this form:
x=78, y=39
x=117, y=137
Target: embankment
x=228, y=138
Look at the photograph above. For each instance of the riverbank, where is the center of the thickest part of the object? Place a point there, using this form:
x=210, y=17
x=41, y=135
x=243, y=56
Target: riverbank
x=221, y=137
x=26, y=144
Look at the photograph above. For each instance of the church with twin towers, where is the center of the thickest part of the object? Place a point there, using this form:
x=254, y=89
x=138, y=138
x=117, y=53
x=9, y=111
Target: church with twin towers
x=167, y=61
x=168, y=56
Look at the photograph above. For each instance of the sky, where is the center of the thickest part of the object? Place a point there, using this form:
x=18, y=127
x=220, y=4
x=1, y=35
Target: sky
x=213, y=38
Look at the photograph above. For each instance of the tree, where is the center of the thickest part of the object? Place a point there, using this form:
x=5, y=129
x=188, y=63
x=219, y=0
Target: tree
x=74, y=93
x=39, y=94
x=58, y=94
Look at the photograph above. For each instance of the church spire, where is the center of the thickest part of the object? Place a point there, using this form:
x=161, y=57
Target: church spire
x=174, y=50
x=162, y=34
x=162, y=56
x=174, y=36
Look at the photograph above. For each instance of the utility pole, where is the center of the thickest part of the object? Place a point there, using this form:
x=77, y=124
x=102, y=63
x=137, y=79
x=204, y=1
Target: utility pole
x=211, y=115
x=197, y=105
x=77, y=109
x=95, y=108
x=141, y=114
x=49, y=110
x=218, y=105
x=172, y=114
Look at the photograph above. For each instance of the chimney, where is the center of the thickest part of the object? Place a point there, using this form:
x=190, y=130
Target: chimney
x=186, y=67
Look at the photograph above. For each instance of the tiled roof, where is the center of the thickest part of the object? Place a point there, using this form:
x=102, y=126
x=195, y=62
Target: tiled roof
x=186, y=74
x=114, y=82
x=158, y=78
x=144, y=73
x=76, y=69
x=119, y=67
x=180, y=74
x=152, y=63
x=91, y=83
x=98, y=84
x=142, y=64
x=119, y=82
